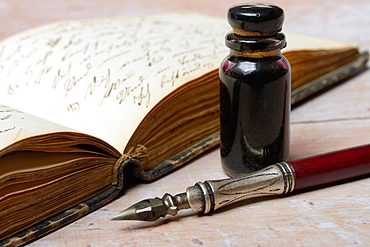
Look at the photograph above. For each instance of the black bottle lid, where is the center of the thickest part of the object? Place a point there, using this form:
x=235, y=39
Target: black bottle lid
x=259, y=18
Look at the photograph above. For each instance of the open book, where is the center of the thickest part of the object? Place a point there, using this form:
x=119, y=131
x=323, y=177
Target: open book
x=82, y=102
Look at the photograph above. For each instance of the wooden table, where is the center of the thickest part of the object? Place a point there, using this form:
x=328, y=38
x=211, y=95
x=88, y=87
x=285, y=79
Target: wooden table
x=333, y=216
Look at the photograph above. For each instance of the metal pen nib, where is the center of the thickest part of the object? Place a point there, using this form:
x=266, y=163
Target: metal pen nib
x=153, y=209
x=212, y=194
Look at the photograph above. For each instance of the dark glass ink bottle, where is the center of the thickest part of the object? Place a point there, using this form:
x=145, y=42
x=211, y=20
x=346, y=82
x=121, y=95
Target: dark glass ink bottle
x=254, y=90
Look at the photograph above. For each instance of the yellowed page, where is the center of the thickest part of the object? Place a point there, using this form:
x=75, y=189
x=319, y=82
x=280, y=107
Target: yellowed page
x=16, y=125
x=299, y=42
x=101, y=77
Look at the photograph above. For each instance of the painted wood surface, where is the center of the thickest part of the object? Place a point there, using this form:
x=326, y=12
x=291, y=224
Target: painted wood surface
x=340, y=118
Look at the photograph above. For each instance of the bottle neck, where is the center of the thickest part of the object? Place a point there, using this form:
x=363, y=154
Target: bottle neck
x=259, y=54
x=242, y=32
x=260, y=45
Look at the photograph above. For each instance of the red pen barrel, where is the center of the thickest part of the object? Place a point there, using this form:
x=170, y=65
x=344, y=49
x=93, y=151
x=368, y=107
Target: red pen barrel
x=331, y=167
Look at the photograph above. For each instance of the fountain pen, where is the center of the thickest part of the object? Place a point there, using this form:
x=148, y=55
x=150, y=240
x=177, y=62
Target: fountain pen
x=277, y=179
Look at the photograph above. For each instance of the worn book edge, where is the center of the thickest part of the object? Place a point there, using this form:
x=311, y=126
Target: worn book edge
x=324, y=82
x=128, y=166
x=60, y=220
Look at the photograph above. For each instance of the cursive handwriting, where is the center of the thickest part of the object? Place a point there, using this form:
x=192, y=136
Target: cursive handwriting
x=5, y=117
x=6, y=124
x=170, y=80
x=144, y=94
x=114, y=61
x=124, y=93
x=74, y=107
x=6, y=130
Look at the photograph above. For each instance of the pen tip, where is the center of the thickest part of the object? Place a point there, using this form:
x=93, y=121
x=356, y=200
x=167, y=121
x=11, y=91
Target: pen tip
x=146, y=210
x=127, y=214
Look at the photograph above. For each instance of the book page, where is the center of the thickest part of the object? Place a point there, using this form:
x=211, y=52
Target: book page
x=16, y=125
x=301, y=42
x=101, y=77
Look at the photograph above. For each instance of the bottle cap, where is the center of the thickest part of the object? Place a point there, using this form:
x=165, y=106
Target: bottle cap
x=259, y=18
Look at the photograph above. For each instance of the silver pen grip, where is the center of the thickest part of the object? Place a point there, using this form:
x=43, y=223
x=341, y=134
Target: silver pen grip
x=211, y=195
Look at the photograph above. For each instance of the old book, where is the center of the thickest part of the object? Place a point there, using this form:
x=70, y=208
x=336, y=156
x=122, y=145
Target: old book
x=84, y=102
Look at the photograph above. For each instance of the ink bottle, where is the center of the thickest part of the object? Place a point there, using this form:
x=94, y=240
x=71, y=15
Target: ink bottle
x=254, y=91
